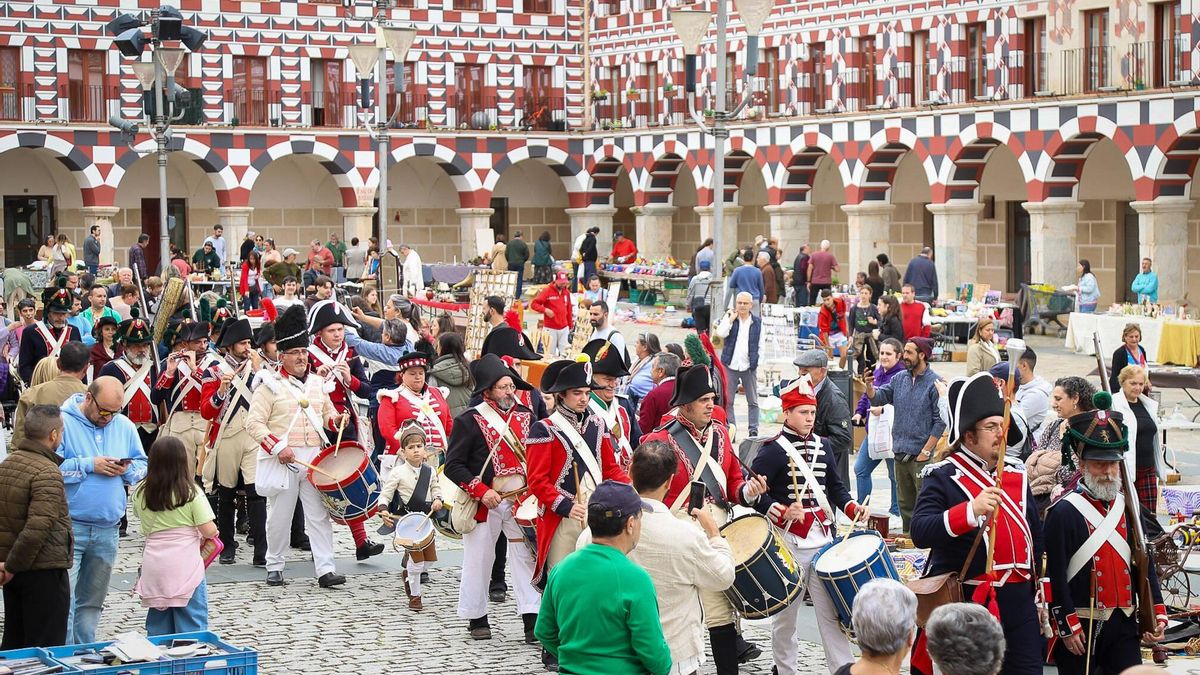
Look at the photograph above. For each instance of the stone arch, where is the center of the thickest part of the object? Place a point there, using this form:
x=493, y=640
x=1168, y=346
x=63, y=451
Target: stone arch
x=86, y=174
x=340, y=167
x=537, y=200
x=605, y=175
x=875, y=174
x=664, y=171
x=1058, y=170
x=1171, y=164
x=961, y=170
x=222, y=176
x=456, y=166
x=563, y=165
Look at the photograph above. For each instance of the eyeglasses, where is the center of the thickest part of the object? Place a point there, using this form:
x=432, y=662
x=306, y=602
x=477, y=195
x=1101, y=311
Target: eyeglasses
x=505, y=387
x=298, y=351
x=104, y=413
x=992, y=428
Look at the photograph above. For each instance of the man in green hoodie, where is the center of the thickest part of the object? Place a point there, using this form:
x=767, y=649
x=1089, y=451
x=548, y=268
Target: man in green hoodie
x=610, y=628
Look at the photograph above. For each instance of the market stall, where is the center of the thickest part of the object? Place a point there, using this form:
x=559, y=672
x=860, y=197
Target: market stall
x=1165, y=339
x=650, y=282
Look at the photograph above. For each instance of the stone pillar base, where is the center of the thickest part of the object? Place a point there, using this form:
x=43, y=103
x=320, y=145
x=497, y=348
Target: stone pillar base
x=957, y=261
x=1163, y=231
x=1053, y=253
x=869, y=225
x=102, y=216
x=654, y=223
x=357, y=222
x=730, y=217
x=790, y=224
x=470, y=222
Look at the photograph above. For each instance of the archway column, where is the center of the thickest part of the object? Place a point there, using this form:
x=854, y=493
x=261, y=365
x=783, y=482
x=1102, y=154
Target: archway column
x=956, y=227
x=1052, y=249
x=585, y=218
x=102, y=216
x=869, y=225
x=236, y=221
x=654, y=223
x=730, y=218
x=470, y=221
x=357, y=221
x=1163, y=231
x=790, y=224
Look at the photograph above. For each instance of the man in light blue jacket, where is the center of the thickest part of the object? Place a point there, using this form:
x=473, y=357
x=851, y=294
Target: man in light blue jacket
x=1145, y=284
x=102, y=454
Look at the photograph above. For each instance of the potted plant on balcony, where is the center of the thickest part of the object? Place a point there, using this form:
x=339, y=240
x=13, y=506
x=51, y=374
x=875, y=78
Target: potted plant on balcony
x=599, y=94
x=633, y=95
x=669, y=89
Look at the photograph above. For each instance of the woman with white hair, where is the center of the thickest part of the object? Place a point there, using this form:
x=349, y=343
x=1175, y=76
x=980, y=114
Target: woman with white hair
x=965, y=639
x=885, y=620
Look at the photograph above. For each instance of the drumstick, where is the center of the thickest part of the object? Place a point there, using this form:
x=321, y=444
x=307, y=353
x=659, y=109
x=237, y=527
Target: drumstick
x=578, y=499
x=341, y=430
x=317, y=469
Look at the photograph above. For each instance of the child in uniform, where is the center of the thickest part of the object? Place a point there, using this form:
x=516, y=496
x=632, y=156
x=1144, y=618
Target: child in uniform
x=412, y=487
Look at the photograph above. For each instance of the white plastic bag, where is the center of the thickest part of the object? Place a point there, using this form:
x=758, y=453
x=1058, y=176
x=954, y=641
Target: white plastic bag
x=879, y=434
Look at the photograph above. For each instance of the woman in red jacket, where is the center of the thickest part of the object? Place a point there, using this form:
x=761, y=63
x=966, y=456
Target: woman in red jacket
x=249, y=287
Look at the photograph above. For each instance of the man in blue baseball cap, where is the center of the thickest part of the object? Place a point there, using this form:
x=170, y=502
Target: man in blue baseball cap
x=611, y=627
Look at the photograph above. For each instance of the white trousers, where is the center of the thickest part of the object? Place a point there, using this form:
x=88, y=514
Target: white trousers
x=559, y=340
x=317, y=525
x=414, y=576
x=479, y=552
x=785, y=645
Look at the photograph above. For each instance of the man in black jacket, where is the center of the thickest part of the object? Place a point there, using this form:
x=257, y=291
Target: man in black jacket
x=588, y=253
x=833, y=412
x=486, y=460
x=800, y=276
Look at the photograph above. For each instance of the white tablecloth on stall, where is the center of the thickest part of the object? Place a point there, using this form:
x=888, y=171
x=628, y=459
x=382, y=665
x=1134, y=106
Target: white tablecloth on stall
x=1082, y=326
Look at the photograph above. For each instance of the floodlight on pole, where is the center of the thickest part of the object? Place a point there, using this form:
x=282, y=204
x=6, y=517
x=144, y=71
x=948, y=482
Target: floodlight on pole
x=691, y=25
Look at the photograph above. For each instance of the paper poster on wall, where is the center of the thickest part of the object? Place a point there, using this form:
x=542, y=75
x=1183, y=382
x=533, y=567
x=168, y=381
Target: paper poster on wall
x=484, y=238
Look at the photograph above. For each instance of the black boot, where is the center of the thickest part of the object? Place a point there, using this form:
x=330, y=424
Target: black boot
x=479, y=628
x=549, y=662
x=747, y=651
x=243, y=524
x=530, y=620
x=256, y=508
x=299, y=537
x=724, y=649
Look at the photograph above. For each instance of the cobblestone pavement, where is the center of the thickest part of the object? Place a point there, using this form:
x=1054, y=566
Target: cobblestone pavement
x=366, y=627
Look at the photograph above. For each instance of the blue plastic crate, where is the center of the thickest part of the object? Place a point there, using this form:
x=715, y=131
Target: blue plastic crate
x=31, y=653
x=238, y=660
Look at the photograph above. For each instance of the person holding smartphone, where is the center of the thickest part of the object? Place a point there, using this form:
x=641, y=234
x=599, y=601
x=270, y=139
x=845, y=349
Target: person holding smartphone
x=101, y=454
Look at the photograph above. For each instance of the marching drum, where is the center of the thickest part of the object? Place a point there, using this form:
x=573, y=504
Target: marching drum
x=347, y=480
x=525, y=512
x=414, y=531
x=845, y=565
x=766, y=578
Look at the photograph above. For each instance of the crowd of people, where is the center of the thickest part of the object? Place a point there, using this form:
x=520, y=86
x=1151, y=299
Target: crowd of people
x=618, y=465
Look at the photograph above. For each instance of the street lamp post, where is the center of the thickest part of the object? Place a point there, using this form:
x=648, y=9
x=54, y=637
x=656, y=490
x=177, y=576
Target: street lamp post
x=370, y=61
x=160, y=93
x=691, y=26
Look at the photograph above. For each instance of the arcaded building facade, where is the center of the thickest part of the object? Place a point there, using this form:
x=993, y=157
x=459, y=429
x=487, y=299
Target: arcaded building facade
x=1014, y=137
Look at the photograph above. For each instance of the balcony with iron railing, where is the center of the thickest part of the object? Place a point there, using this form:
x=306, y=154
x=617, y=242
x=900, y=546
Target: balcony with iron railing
x=328, y=107
x=16, y=102
x=252, y=107
x=541, y=113
x=412, y=109
x=88, y=103
x=477, y=113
